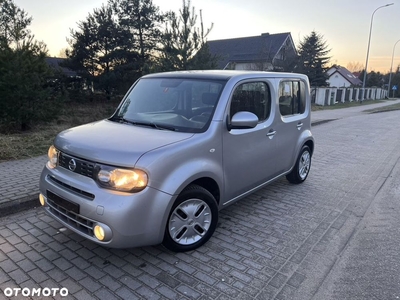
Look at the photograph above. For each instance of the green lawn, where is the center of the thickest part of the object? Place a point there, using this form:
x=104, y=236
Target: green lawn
x=35, y=142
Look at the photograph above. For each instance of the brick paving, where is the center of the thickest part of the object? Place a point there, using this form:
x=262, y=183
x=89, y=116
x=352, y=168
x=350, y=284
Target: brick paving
x=278, y=243
x=19, y=183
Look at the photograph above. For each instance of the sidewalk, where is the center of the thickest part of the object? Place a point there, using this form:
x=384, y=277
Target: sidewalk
x=19, y=179
x=334, y=114
x=19, y=184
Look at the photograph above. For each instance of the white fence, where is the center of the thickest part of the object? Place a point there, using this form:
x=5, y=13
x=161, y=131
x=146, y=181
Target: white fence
x=332, y=95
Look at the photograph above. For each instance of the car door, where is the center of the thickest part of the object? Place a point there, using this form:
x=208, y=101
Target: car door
x=292, y=122
x=249, y=154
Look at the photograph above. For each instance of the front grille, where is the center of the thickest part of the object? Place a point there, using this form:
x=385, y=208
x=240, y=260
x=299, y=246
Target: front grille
x=83, y=167
x=69, y=217
x=76, y=191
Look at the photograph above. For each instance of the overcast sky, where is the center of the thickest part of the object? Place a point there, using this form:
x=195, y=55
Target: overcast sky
x=344, y=24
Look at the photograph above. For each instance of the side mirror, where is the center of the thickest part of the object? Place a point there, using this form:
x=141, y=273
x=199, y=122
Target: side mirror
x=243, y=120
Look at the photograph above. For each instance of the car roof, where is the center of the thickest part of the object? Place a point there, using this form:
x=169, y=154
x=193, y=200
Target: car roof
x=222, y=74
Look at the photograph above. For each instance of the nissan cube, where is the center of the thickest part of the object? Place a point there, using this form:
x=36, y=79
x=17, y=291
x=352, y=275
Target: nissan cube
x=180, y=147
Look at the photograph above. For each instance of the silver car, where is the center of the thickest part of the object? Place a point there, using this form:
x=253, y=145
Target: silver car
x=180, y=147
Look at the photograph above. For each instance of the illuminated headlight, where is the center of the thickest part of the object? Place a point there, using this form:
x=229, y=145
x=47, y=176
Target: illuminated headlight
x=53, y=157
x=124, y=180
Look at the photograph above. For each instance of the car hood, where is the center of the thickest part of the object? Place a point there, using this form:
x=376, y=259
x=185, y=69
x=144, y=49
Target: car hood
x=114, y=143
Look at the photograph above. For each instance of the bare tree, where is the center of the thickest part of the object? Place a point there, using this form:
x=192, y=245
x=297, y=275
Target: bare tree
x=354, y=67
x=63, y=52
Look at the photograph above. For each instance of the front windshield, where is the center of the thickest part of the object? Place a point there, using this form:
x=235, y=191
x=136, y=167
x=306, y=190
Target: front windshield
x=177, y=104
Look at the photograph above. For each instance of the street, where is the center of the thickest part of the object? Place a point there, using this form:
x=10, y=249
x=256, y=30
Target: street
x=335, y=236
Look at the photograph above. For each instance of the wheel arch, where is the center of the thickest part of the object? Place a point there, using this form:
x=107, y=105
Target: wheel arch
x=310, y=144
x=210, y=185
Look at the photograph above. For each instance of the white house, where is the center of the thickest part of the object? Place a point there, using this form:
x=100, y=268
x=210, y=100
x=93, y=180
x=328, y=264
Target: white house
x=341, y=77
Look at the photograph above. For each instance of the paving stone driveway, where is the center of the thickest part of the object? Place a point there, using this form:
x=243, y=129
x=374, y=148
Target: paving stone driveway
x=276, y=244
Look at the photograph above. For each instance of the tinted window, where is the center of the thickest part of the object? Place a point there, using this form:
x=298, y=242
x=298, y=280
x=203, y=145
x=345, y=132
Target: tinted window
x=254, y=97
x=292, y=97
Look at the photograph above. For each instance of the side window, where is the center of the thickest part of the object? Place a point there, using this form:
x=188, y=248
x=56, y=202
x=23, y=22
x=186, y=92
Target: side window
x=291, y=98
x=254, y=97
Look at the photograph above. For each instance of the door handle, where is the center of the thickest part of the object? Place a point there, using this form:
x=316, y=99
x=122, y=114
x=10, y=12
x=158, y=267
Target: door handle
x=271, y=133
x=299, y=125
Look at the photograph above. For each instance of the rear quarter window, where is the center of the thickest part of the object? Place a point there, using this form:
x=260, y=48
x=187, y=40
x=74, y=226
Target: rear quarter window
x=292, y=97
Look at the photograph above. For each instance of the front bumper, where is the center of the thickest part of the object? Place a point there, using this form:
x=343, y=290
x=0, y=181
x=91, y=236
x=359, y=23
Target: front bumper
x=130, y=219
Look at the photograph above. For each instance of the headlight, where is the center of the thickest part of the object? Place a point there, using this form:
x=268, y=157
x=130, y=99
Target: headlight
x=53, y=157
x=124, y=180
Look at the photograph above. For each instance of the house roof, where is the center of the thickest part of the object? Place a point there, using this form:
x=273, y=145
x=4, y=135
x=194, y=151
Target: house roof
x=245, y=49
x=346, y=74
x=57, y=64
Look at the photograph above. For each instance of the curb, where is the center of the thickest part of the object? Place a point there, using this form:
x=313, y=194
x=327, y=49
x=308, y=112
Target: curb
x=16, y=206
x=319, y=122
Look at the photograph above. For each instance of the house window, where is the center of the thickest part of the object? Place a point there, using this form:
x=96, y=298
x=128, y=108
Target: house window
x=254, y=97
x=292, y=98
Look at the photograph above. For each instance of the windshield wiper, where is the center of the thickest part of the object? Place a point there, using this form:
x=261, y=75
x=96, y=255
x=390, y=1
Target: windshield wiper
x=154, y=125
x=142, y=123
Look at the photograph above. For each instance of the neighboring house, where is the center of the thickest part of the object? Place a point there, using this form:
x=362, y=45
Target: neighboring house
x=341, y=77
x=56, y=64
x=265, y=52
x=72, y=79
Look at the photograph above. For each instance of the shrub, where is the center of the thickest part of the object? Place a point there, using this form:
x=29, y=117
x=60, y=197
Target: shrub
x=27, y=93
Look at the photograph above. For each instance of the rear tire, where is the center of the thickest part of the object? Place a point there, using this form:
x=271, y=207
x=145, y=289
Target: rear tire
x=302, y=167
x=192, y=220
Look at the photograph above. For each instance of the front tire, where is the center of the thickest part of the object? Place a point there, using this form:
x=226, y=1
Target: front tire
x=192, y=220
x=302, y=167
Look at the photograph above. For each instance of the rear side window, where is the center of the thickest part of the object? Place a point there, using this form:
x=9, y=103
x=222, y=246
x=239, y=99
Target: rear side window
x=292, y=98
x=254, y=97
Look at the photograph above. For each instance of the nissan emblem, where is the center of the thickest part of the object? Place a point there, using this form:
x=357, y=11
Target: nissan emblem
x=72, y=165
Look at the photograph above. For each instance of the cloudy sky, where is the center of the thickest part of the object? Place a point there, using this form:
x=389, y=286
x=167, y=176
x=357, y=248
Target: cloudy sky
x=345, y=24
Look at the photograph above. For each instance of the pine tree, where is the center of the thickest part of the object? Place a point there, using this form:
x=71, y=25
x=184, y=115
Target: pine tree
x=14, y=23
x=26, y=96
x=375, y=79
x=184, y=45
x=95, y=48
x=116, y=43
x=313, y=59
x=140, y=21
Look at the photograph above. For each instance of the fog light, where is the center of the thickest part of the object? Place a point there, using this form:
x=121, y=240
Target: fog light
x=99, y=232
x=42, y=200
x=102, y=232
